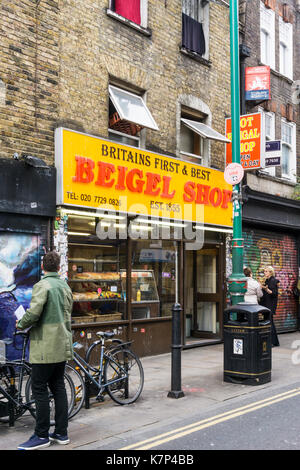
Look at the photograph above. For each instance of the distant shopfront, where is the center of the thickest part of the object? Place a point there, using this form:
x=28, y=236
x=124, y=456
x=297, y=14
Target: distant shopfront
x=27, y=209
x=271, y=232
x=137, y=232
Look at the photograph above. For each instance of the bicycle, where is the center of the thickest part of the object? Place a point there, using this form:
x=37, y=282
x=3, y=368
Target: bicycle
x=16, y=386
x=115, y=370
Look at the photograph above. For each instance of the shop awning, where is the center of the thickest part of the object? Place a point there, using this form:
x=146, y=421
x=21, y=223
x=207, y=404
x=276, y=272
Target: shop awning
x=132, y=108
x=205, y=131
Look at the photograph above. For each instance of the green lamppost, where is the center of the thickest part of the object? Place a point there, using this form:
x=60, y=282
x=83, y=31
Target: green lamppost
x=237, y=280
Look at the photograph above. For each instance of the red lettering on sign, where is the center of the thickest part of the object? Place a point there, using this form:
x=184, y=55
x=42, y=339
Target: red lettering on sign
x=189, y=193
x=215, y=201
x=84, y=170
x=166, y=186
x=121, y=178
x=151, y=185
x=202, y=194
x=139, y=183
x=104, y=174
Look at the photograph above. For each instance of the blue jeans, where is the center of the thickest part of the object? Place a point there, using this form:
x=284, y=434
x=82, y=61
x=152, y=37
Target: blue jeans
x=52, y=376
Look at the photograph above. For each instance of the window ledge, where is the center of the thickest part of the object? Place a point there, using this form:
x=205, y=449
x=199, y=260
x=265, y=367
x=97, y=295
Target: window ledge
x=283, y=179
x=145, y=31
x=280, y=75
x=195, y=56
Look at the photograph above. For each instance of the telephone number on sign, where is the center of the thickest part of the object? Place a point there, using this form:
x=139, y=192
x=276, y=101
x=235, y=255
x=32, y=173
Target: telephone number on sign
x=93, y=199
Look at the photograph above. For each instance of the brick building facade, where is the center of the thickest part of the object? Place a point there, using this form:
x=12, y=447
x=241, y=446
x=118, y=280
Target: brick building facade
x=59, y=57
x=271, y=221
x=281, y=105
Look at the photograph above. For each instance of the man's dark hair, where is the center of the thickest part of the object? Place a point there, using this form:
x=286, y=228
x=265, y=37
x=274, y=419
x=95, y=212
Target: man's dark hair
x=51, y=262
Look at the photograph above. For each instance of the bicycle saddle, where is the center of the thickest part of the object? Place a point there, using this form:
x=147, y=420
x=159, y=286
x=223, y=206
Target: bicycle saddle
x=105, y=334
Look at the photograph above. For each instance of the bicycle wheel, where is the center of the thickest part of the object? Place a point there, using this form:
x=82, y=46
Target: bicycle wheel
x=94, y=352
x=70, y=390
x=125, y=368
x=79, y=389
x=10, y=377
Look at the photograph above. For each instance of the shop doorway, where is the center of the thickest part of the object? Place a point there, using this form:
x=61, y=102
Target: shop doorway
x=203, y=295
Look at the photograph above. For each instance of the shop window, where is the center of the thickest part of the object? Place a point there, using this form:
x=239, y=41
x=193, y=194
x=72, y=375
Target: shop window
x=288, y=142
x=153, y=278
x=267, y=36
x=195, y=27
x=286, y=48
x=128, y=115
x=94, y=273
x=132, y=10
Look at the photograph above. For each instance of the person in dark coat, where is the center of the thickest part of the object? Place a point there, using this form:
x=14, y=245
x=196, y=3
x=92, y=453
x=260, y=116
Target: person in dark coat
x=270, y=298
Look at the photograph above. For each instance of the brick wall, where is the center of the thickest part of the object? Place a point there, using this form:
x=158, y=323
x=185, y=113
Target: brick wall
x=57, y=59
x=29, y=57
x=281, y=87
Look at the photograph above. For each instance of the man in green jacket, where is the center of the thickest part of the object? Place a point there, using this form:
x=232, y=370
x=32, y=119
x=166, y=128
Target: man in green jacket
x=49, y=317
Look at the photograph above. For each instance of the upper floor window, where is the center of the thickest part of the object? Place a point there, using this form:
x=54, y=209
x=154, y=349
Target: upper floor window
x=286, y=48
x=268, y=130
x=133, y=10
x=288, y=140
x=267, y=36
x=128, y=115
x=195, y=26
x=195, y=137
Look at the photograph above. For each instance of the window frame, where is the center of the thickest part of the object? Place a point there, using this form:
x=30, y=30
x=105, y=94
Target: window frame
x=267, y=26
x=203, y=18
x=292, y=150
x=271, y=171
x=143, y=10
x=113, y=88
x=286, y=40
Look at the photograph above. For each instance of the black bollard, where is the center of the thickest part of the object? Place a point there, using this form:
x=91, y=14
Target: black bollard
x=176, y=391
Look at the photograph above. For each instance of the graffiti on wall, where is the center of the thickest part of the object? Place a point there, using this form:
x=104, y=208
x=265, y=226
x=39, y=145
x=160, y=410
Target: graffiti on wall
x=19, y=271
x=281, y=253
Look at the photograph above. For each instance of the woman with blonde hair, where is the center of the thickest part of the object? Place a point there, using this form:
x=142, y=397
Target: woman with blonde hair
x=270, y=298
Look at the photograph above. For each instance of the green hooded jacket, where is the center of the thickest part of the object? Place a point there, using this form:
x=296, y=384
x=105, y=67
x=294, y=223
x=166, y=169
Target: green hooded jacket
x=49, y=315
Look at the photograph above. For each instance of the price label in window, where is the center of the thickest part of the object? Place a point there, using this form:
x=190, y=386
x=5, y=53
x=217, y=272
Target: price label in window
x=113, y=288
x=144, y=287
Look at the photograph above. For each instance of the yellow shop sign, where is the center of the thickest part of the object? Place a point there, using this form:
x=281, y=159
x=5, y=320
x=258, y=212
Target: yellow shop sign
x=100, y=174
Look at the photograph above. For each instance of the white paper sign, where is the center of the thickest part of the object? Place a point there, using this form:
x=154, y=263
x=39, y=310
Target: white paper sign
x=20, y=312
x=237, y=346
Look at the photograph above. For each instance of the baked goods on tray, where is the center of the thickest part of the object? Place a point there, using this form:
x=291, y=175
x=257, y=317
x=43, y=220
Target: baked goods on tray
x=102, y=276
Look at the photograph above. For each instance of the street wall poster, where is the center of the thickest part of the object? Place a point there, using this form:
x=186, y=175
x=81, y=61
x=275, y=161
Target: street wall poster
x=257, y=83
x=96, y=173
x=252, y=141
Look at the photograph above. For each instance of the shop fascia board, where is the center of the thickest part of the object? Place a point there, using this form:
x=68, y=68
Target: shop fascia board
x=273, y=211
x=269, y=199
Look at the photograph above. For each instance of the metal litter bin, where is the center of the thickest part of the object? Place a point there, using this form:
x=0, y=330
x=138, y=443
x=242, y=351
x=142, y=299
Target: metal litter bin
x=247, y=344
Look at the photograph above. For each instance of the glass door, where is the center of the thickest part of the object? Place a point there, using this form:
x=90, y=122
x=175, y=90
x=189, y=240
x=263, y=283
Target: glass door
x=203, y=294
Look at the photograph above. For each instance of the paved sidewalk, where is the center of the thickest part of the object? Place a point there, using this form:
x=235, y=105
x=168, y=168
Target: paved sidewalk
x=202, y=384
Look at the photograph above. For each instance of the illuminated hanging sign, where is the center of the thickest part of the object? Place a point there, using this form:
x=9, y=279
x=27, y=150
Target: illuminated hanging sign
x=257, y=83
x=100, y=174
x=252, y=142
